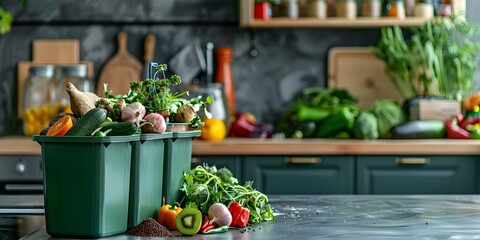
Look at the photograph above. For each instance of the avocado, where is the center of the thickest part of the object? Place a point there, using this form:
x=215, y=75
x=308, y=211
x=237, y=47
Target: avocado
x=188, y=221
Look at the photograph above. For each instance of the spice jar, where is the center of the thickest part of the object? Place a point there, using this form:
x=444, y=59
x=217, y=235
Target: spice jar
x=424, y=8
x=291, y=8
x=77, y=75
x=346, y=9
x=371, y=8
x=396, y=8
x=317, y=8
x=37, y=99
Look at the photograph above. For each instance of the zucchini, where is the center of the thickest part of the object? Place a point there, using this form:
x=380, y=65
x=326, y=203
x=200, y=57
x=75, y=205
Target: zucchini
x=419, y=129
x=120, y=128
x=87, y=124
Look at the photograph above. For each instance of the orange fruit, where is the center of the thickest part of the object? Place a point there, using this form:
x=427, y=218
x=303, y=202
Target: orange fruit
x=61, y=126
x=213, y=130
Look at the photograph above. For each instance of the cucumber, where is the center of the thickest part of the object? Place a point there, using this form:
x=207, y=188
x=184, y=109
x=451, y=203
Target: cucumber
x=87, y=124
x=419, y=129
x=120, y=128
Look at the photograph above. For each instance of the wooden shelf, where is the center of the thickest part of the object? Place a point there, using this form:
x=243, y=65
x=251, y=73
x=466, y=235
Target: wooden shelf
x=247, y=20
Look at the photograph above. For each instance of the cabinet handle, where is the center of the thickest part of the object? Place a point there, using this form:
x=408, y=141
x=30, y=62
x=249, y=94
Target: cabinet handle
x=196, y=160
x=302, y=160
x=412, y=161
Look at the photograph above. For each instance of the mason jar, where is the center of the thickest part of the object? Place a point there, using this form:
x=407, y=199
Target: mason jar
x=38, y=111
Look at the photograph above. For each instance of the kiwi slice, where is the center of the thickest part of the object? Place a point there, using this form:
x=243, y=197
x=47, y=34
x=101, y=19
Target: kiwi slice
x=188, y=221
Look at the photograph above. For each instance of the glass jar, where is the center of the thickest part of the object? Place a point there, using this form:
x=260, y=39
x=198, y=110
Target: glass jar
x=396, y=8
x=371, y=8
x=317, y=8
x=37, y=99
x=291, y=8
x=424, y=9
x=346, y=9
x=77, y=75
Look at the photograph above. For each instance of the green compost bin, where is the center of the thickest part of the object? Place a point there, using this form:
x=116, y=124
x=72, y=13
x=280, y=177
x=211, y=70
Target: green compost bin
x=86, y=184
x=146, y=179
x=178, y=160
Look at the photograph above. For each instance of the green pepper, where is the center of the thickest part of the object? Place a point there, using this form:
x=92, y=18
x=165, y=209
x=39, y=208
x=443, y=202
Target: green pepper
x=341, y=120
x=306, y=113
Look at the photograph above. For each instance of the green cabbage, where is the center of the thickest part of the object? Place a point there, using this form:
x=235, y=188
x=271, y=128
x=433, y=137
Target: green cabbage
x=389, y=114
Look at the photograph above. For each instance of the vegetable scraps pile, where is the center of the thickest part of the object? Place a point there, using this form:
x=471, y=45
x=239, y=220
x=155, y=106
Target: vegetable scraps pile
x=146, y=108
x=213, y=201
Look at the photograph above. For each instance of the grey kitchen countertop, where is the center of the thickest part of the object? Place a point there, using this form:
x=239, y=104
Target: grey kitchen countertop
x=357, y=217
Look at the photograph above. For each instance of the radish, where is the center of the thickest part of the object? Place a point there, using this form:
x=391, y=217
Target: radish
x=155, y=123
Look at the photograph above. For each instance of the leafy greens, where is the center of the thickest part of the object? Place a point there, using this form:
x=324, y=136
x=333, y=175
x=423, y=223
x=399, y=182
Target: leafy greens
x=206, y=185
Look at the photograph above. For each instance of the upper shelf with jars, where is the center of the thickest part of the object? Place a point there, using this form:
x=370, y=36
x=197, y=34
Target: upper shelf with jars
x=344, y=13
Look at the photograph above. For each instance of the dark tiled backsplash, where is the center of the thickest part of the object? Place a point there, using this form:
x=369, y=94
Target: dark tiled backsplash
x=288, y=59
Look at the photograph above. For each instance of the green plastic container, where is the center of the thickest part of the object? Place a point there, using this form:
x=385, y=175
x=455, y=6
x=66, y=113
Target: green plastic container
x=86, y=184
x=146, y=180
x=178, y=160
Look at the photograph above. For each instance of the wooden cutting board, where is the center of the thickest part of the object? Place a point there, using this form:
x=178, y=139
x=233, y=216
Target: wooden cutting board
x=120, y=70
x=357, y=70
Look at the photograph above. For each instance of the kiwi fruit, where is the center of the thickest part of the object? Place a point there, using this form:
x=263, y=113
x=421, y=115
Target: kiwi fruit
x=189, y=221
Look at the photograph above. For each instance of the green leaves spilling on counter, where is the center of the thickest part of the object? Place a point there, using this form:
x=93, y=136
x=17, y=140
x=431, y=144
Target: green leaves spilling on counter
x=206, y=185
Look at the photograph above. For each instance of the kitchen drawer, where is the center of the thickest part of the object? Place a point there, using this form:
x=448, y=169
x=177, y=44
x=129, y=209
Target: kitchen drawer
x=20, y=168
x=417, y=174
x=300, y=174
x=230, y=162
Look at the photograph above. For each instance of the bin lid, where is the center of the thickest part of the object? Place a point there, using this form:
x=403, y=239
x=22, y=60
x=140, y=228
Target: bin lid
x=155, y=136
x=187, y=134
x=85, y=139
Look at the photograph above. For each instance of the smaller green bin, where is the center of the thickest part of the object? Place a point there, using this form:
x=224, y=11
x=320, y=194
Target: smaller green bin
x=178, y=160
x=86, y=184
x=146, y=179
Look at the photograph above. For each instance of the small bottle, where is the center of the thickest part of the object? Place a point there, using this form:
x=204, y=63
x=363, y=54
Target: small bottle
x=317, y=8
x=291, y=8
x=37, y=99
x=396, y=8
x=346, y=9
x=424, y=9
x=371, y=8
x=77, y=75
x=224, y=75
x=459, y=8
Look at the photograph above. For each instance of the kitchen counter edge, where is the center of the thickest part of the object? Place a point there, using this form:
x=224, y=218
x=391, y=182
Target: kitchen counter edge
x=20, y=145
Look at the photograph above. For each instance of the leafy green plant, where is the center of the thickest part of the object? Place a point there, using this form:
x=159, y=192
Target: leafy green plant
x=439, y=59
x=155, y=93
x=6, y=19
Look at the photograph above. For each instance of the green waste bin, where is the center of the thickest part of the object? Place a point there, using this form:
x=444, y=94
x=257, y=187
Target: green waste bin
x=86, y=184
x=178, y=160
x=146, y=180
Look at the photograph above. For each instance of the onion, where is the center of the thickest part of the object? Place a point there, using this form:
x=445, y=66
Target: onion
x=219, y=215
x=134, y=112
x=157, y=123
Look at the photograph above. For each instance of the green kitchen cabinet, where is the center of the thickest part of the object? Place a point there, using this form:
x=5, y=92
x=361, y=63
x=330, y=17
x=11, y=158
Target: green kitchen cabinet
x=233, y=163
x=417, y=174
x=300, y=174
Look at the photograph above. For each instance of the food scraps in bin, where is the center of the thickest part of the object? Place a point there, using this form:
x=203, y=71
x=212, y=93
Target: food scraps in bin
x=149, y=227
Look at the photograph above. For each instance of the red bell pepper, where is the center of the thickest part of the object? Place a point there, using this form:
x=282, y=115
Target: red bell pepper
x=454, y=131
x=242, y=126
x=240, y=215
